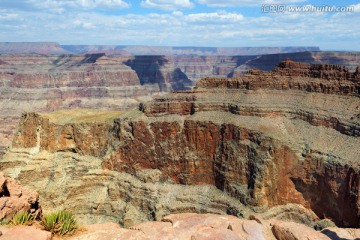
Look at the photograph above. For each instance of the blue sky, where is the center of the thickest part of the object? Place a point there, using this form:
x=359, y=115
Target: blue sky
x=218, y=23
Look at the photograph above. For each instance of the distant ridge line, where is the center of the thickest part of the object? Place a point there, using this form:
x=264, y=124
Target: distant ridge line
x=132, y=50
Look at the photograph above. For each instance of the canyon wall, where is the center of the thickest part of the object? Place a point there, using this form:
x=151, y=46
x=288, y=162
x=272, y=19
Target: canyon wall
x=50, y=82
x=232, y=146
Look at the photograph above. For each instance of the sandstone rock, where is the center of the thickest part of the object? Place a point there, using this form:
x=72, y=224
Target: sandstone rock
x=25, y=233
x=294, y=231
x=106, y=231
x=210, y=226
x=212, y=234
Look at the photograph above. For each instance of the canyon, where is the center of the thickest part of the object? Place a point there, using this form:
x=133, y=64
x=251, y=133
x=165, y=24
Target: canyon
x=281, y=144
x=48, y=82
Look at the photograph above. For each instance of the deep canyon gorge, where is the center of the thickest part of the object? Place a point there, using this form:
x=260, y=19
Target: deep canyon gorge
x=264, y=139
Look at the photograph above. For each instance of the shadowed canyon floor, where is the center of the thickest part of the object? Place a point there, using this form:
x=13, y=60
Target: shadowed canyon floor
x=231, y=146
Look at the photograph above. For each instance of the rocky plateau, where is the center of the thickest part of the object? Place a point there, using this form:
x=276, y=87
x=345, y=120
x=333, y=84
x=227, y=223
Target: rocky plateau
x=278, y=145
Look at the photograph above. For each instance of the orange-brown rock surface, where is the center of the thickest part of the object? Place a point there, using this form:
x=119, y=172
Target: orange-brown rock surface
x=218, y=149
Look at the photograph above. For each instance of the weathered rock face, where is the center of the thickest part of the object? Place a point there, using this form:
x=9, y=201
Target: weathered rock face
x=263, y=148
x=15, y=198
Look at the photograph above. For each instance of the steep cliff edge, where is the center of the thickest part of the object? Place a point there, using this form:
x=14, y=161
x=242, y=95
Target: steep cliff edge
x=215, y=149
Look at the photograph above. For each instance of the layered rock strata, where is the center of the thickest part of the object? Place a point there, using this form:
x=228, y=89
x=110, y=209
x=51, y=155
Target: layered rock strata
x=49, y=82
x=213, y=149
x=44, y=83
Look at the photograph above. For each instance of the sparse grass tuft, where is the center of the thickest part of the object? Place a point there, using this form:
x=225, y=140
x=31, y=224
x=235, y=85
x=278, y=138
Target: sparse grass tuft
x=22, y=218
x=60, y=222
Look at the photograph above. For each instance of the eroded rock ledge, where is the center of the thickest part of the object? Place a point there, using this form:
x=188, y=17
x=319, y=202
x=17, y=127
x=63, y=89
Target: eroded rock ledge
x=216, y=149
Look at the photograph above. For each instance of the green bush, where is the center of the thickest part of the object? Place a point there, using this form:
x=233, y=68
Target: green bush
x=22, y=218
x=60, y=222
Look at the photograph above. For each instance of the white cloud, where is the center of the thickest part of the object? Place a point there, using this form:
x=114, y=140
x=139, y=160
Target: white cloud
x=356, y=7
x=167, y=5
x=8, y=16
x=238, y=3
x=216, y=17
x=178, y=13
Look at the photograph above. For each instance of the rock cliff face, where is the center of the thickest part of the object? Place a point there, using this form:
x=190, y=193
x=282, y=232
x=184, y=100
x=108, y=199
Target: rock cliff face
x=262, y=140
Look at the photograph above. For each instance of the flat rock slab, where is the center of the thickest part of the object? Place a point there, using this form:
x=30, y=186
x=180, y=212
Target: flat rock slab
x=24, y=233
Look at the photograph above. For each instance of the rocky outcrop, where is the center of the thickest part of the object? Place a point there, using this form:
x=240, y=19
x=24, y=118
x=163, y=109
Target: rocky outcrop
x=14, y=198
x=214, y=149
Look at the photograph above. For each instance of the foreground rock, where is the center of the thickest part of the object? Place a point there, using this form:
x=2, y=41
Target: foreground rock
x=15, y=198
x=23, y=233
x=294, y=231
x=232, y=146
x=191, y=226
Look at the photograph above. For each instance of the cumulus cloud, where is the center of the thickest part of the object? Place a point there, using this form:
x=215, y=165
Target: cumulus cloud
x=215, y=17
x=167, y=5
x=237, y=3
